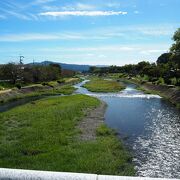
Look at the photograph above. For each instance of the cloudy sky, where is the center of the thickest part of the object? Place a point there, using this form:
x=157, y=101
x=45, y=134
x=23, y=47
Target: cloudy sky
x=111, y=32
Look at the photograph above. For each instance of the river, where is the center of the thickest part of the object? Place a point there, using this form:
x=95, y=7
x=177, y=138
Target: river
x=149, y=126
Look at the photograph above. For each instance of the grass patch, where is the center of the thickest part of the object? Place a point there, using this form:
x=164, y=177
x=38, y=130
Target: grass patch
x=103, y=130
x=43, y=136
x=100, y=85
x=66, y=89
x=40, y=90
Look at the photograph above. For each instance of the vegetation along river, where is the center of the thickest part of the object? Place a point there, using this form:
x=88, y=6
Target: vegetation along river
x=149, y=125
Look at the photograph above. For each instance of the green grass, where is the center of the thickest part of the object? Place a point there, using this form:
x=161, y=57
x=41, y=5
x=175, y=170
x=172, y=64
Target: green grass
x=43, y=135
x=6, y=85
x=103, y=130
x=69, y=80
x=63, y=89
x=100, y=85
x=66, y=89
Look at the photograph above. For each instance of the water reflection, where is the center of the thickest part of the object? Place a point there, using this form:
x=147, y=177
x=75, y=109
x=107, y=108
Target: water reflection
x=152, y=126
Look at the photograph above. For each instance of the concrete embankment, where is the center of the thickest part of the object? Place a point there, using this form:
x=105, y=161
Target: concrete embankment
x=172, y=94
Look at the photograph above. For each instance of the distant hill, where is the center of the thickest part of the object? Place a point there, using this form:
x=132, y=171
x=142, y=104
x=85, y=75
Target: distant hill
x=74, y=67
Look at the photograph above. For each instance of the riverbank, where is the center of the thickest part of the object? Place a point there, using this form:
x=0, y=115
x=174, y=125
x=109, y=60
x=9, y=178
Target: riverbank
x=170, y=93
x=101, y=85
x=51, y=88
x=44, y=135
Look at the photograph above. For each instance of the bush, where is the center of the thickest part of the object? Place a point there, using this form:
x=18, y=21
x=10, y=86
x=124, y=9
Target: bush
x=47, y=84
x=1, y=88
x=167, y=80
x=178, y=82
x=153, y=79
x=173, y=81
x=121, y=75
x=143, y=81
x=146, y=78
x=160, y=81
x=61, y=81
x=44, y=84
x=18, y=86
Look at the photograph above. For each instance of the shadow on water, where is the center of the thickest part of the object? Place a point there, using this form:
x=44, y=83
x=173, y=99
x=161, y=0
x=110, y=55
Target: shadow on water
x=152, y=126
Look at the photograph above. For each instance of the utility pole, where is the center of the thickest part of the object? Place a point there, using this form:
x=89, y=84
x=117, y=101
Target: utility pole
x=21, y=67
x=21, y=59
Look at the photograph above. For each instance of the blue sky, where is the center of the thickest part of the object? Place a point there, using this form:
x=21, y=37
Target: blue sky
x=111, y=32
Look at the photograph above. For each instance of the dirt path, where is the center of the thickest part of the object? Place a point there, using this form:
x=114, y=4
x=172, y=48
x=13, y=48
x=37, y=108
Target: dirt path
x=89, y=124
x=5, y=91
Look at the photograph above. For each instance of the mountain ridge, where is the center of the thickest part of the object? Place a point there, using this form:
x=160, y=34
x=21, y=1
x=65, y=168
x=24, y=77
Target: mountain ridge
x=74, y=67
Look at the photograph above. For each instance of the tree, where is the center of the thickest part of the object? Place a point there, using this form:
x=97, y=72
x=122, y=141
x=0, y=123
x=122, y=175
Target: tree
x=164, y=58
x=175, y=49
x=176, y=46
x=10, y=72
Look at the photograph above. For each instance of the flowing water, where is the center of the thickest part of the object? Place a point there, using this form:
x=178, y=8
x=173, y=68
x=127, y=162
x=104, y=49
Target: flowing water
x=149, y=125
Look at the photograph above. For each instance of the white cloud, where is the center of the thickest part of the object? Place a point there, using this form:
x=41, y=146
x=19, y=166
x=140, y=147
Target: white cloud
x=100, y=34
x=113, y=5
x=49, y=36
x=136, y=12
x=26, y=37
x=153, y=51
x=2, y=16
x=101, y=56
x=78, y=7
x=82, y=13
x=37, y=2
x=81, y=6
x=19, y=15
x=93, y=50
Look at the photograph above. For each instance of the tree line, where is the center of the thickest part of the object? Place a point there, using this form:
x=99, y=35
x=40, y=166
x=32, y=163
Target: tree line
x=17, y=72
x=166, y=70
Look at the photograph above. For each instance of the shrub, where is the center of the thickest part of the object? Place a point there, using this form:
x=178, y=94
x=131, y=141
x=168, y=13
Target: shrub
x=44, y=84
x=167, y=80
x=18, y=86
x=178, y=82
x=61, y=81
x=47, y=84
x=1, y=88
x=160, y=81
x=146, y=77
x=173, y=81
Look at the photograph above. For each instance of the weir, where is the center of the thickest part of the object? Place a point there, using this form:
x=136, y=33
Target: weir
x=19, y=174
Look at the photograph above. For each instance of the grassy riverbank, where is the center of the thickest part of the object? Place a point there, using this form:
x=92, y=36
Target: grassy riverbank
x=35, y=90
x=101, y=85
x=43, y=135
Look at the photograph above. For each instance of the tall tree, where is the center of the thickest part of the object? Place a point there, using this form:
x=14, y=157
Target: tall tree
x=175, y=49
x=10, y=72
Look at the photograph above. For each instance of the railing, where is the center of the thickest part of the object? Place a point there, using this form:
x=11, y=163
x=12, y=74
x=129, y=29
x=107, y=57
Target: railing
x=17, y=174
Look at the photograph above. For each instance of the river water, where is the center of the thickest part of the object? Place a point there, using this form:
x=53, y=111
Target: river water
x=149, y=125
